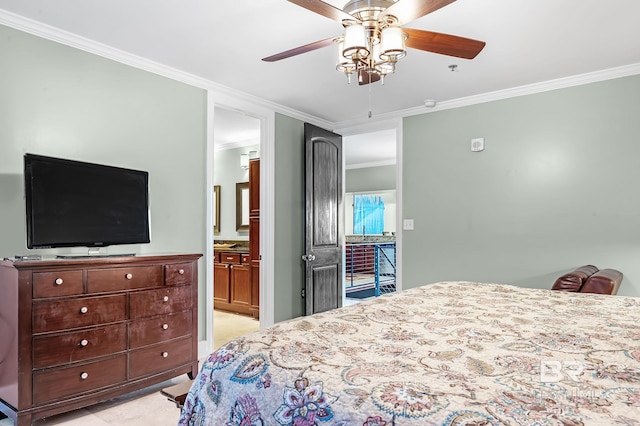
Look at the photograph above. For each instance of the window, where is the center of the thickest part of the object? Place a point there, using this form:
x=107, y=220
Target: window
x=368, y=214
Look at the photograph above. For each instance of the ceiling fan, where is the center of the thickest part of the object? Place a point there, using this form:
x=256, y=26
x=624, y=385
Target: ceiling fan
x=374, y=40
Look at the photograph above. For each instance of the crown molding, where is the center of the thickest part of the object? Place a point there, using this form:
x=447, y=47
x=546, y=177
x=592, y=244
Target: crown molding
x=73, y=40
x=389, y=162
x=236, y=144
x=67, y=38
x=529, y=89
x=371, y=125
x=57, y=35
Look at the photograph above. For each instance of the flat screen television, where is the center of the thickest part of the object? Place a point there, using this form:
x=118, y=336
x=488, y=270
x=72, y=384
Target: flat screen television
x=77, y=204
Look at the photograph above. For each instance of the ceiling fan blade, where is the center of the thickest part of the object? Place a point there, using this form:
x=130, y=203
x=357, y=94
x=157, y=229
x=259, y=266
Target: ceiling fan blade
x=443, y=44
x=408, y=10
x=324, y=9
x=299, y=50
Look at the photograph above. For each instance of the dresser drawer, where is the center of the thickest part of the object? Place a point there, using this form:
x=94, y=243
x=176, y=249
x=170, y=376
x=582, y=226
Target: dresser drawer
x=49, y=351
x=178, y=274
x=61, y=383
x=159, y=329
x=61, y=283
x=52, y=315
x=160, y=357
x=230, y=257
x=159, y=302
x=115, y=279
x=245, y=258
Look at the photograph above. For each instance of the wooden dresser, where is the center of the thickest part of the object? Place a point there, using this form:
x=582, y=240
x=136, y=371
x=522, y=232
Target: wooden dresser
x=75, y=332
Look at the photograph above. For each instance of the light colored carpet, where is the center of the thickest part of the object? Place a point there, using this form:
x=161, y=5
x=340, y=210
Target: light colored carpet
x=228, y=326
x=148, y=406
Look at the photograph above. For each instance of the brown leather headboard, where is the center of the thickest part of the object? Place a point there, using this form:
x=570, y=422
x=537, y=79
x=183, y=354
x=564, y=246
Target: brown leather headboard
x=605, y=281
x=574, y=280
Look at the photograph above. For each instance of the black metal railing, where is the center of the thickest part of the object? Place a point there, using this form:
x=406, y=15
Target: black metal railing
x=370, y=269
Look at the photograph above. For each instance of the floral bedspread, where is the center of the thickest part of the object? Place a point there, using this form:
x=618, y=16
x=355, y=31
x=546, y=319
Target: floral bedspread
x=450, y=353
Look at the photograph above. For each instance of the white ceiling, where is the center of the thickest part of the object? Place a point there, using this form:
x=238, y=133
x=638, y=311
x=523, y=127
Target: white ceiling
x=234, y=129
x=528, y=42
x=369, y=149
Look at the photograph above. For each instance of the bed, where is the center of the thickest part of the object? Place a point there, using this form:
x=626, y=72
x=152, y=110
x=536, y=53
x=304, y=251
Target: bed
x=450, y=353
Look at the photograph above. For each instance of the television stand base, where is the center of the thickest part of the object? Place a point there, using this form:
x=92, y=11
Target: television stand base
x=92, y=256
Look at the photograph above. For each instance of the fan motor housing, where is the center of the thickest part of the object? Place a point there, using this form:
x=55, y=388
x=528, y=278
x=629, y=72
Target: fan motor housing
x=367, y=10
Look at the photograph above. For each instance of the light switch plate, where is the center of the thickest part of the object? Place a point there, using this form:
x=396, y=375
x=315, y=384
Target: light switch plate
x=407, y=225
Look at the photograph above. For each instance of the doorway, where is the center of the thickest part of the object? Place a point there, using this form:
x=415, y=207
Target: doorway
x=371, y=215
x=236, y=291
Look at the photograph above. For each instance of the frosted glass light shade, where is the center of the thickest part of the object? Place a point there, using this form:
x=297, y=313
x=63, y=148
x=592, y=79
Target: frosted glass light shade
x=376, y=53
x=355, y=42
x=392, y=44
x=343, y=64
x=382, y=66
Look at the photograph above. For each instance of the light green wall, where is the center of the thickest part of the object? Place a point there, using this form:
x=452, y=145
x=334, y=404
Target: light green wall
x=370, y=179
x=556, y=187
x=60, y=101
x=289, y=218
x=226, y=173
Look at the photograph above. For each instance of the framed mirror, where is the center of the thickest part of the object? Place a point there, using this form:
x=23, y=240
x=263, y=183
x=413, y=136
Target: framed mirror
x=216, y=209
x=242, y=206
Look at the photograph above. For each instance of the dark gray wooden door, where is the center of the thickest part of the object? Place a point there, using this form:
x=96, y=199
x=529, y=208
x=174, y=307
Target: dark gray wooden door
x=324, y=215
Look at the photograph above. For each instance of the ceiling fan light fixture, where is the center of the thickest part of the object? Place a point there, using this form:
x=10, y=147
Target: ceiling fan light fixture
x=360, y=51
x=375, y=54
x=375, y=38
x=392, y=44
x=382, y=66
x=386, y=68
x=344, y=65
x=355, y=42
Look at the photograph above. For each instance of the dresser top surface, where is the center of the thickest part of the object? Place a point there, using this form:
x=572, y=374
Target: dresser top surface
x=97, y=261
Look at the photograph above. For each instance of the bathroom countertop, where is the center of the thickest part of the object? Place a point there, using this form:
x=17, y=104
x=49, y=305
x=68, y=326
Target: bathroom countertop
x=231, y=246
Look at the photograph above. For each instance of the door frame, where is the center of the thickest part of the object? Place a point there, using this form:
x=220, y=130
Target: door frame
x=388, y=124
x=267, y=207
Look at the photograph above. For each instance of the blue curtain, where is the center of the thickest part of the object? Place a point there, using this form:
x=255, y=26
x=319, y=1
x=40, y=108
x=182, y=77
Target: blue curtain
x=368, y=214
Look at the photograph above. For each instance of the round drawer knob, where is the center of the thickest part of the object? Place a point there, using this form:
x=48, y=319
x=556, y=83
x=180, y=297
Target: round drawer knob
x=181, y=271
x=128, y=276
x=165, y=299
x=84, y=376
x=59, y=281
x=165, y=326
x=84, y=310
x=84, y=342
x=165, y=354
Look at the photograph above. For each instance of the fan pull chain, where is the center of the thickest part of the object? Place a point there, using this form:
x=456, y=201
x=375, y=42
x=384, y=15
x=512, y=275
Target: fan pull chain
x=369, y=95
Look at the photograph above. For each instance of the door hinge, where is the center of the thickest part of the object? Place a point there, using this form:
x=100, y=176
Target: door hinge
x=303, y=293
